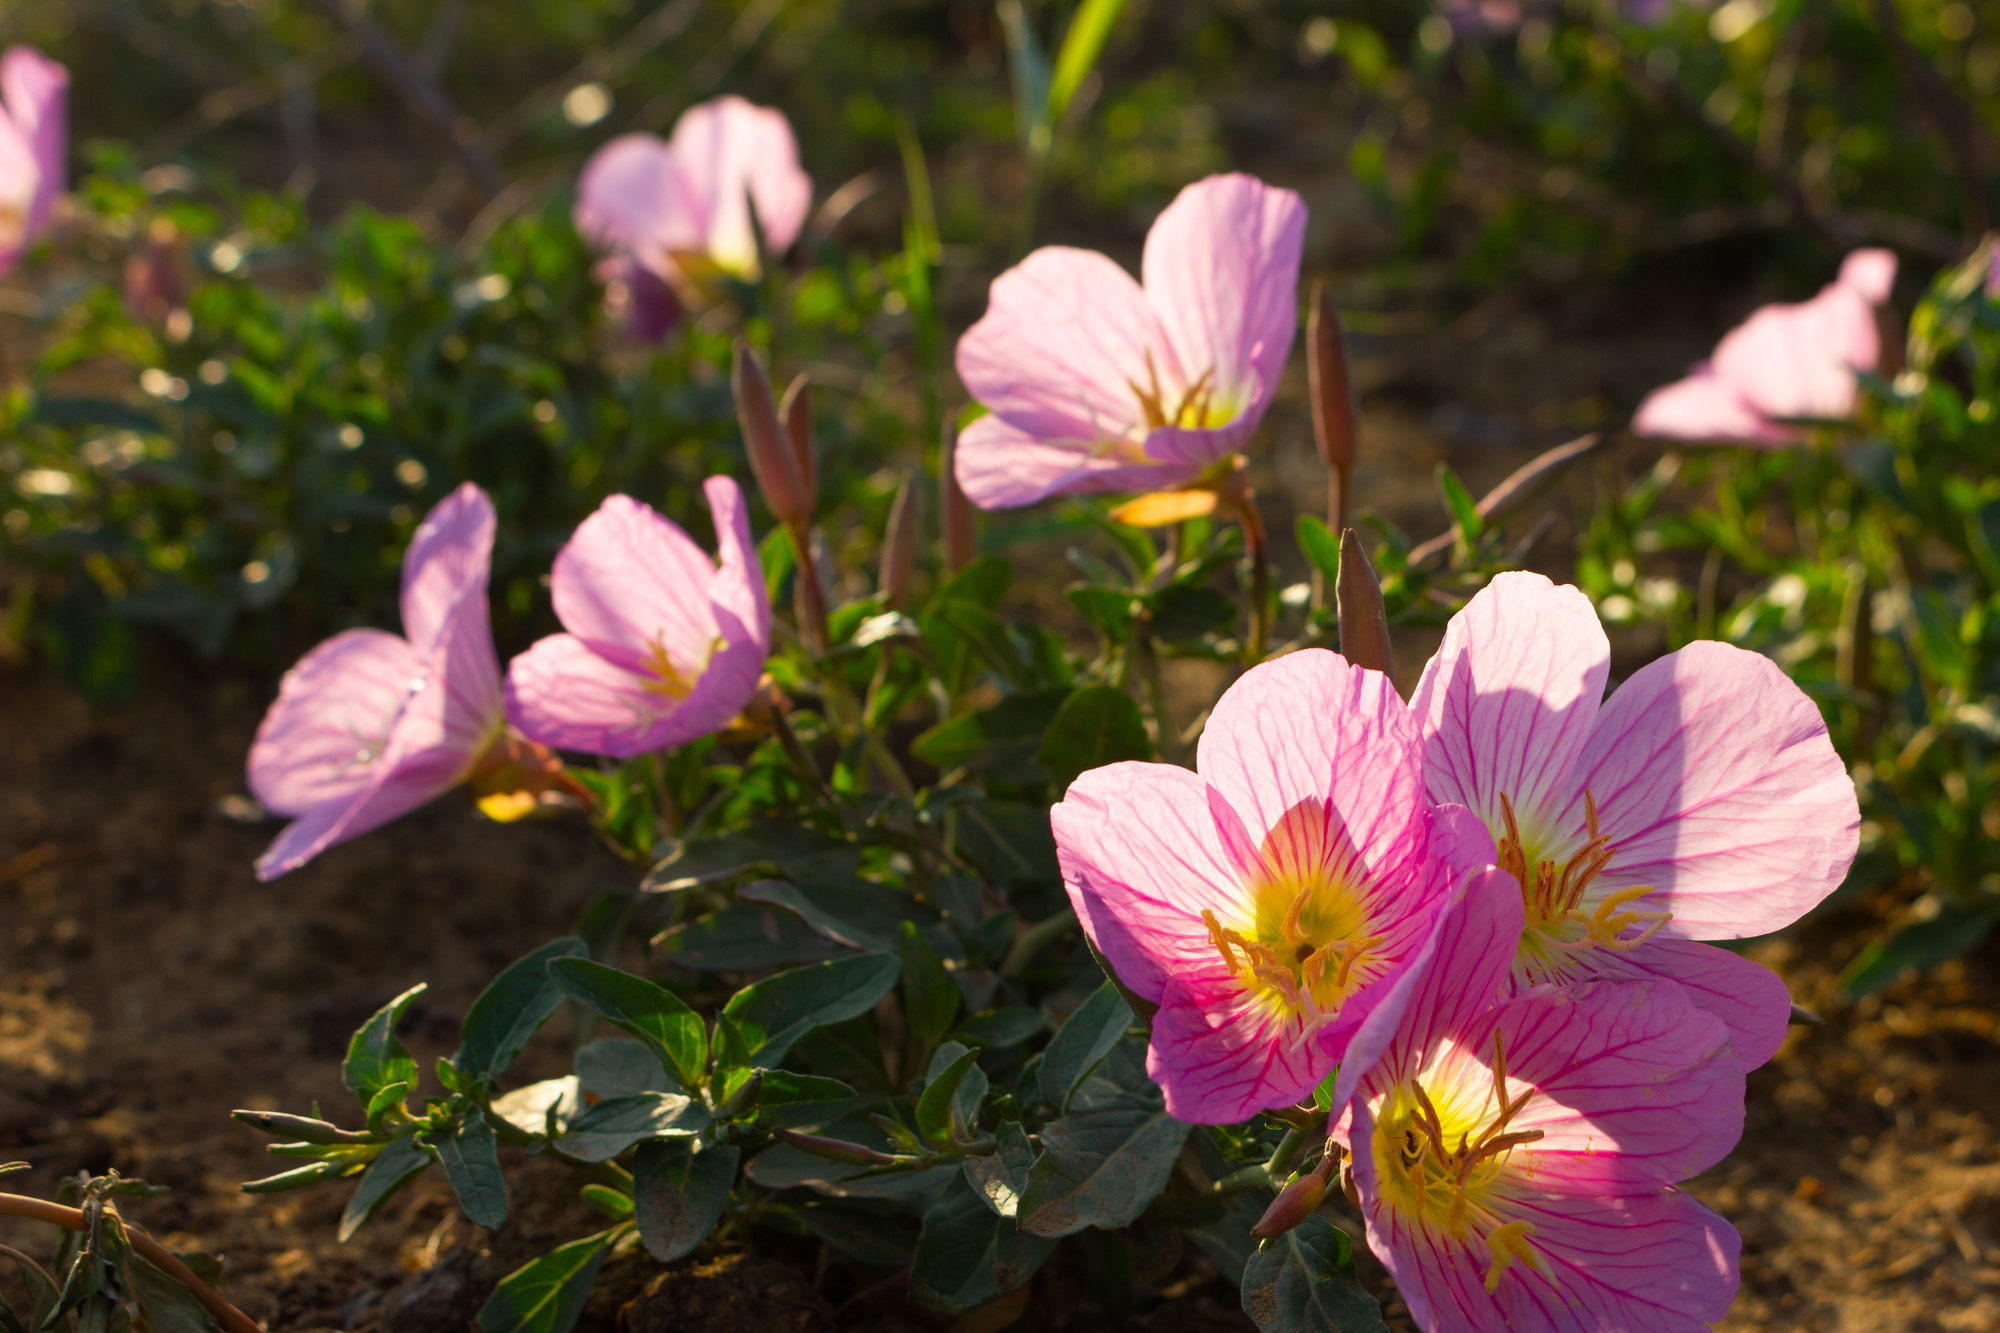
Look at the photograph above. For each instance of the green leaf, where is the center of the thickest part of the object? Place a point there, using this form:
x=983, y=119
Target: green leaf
x=876, y=1232
x=1000, y=741
x=1082, y=1042
x=776, y=555
x=544, y=1107
x=930, y=996
x=794, y=850
x=1002, y=1176
x=375, y=1058
x=798, y=1101
x=998, y=1029
x=828, y=924
x=1320, y=546
x=1109, y=610
x=614, y=1067
x=1101, y=1165
x=783, y=1166
x=1185, y=612
x=1031, y=78
x=744, y=937
x=510, y=1011
x=548, y=1295
x=966, y=1255
x=1007, y=842
x=1225, y=1238
x=471, y=1158
x=1080, y=50
x=399, y=1162
x=934, y=1116
x=985, y=635
x=679, y=1189
x=41, y=1288
x=777, y=1011
x=607, y=1129
x=1098, y=725
x=1957, y=929
x=387, y=1098
x=1304, y=1282
x=1459, y=502
x=655, y=1015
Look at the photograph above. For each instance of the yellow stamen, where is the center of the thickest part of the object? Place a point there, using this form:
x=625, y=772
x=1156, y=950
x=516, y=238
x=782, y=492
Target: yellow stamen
x=1290, y=928
x=1508, y=1243
x=1608, y=924
x=1219, y=938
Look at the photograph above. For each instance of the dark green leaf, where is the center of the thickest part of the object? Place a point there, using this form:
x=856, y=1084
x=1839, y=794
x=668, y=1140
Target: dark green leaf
x=985, y=635
x=1304, y=1282
x=615, y=1067
x=1459, y=503
x=1320, y=545
x=510, y=1011
x=966, y=1255
x=653, y=1014
x=777, y=1011
x=934, y=1108
x=1185, y=612
x=1109, y=610
x=1098, y=725
x=744, y=937
x=471, y=1158
x=41, y=1288
x=168, y=1305
x=783, y=1166
x=547, y=1296
x=1006, y=841
x=394, y=1167
x=1082, y=1042
x=797, y=1101
x=830, y=925
x=679, y=1189
x=1101, y=1165
x=1956, y=930
x=1002, y=1176
x=1225, y=1238
x=930, y=996
x=607, y=1129
x=375, y=1058
x=998, y=1029
x=792, y=849
x=875, y=1232
x=1000, y=741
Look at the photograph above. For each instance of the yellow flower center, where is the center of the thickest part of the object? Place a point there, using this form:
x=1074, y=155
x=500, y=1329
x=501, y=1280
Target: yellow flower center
x=667, y=679
x=1553, y=893
x=1200, y=406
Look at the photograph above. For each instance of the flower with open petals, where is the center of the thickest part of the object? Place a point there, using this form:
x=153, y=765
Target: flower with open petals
x=680, y=208
x=664, y=645
x=34, y=137
x=369, y=726
x=1516, y=1162
x=1094, y=383
x=1702, y=801
x=1786, y=363
x=1267, y=901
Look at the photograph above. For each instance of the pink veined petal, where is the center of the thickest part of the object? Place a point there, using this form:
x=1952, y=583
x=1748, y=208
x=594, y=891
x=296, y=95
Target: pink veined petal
x=630, y=583
x=1460, y=839
x=1141, y=859
x=1062, y=350
x=398, y=785
x=1198, y=447
x=636, y=195
x=1221, y=273
x=1221, y=1056
x=563, y=695
x=652, y=308
x=1707, y=408
x=737, y=154
x=1869, y=274
x=447, y=560
x=1001, y=466
x=1438, y=1277
x=1799, y=360
x=1507, y=704
x=1631, y=1084
x=1750, y=999
x=331, y=720
x=36, y=91
x=1718, y=786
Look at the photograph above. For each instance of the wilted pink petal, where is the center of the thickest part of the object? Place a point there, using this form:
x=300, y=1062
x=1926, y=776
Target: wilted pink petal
x=1269, y=901
x=368, y=726
x=664, y=645
x=34, y=139
x=1109, y=380
x=1704, y=406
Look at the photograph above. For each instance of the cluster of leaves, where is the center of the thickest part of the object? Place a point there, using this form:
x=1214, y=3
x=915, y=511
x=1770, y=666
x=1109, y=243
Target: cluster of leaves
x=1867, y=568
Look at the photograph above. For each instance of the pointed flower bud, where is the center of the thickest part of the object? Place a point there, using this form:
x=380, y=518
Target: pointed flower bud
x=836, y=1150
x=772, y=459
x=955, y=512
x=1300, y=1199
x=797, y=414
x=899, y=544
x=1332, y=394
x=1364, y=623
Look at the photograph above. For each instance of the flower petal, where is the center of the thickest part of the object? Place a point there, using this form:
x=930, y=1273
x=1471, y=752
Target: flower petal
x=563, y=695
x=737, y=154
x=1750, y=999
x=1001, y=466
x=1507, y=703
x=635, y=194
x=331, y=720
x=1707, y=408
x=630, y=583
x=36, y=90
x=1799, y=360
x=398, y=784
x=1221, y=1056
x=1869, y=274
x=1659, y=1263
x=1717, y=784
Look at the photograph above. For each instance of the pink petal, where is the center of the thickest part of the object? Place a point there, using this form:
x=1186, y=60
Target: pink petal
x=563, y=695
x=1799, y=360
x=331, y=720
x=1717, y=784
x=1707, y=408
x=1222, y=1056
x=1869, y=274
x=1001, y=466
x=36, y=91
x=1751, y=1000
x=398, y=784
x=629, y=583
x=1658, y=1263
x=446, y=562
x=1222, y=274
x=735, y=153
x=636, y=195
x=1507, y=704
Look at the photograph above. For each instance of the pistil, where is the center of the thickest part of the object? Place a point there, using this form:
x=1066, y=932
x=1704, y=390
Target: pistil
x=1553, y=894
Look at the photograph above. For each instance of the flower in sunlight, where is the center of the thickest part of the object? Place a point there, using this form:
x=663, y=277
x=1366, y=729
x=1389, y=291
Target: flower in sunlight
x=663, y=645
x=34, y=138
x=1702, y=801
x=1267, y=901
x=1516, y=1162
x=1784, y=364
x=1093, y=382
x=369, y=726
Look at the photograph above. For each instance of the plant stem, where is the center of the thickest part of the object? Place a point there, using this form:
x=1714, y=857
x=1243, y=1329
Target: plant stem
x=1156, y=693
x=1034, y=939
x=1290, y=1149
x=227, y=1316
x=1260, y=577
x=795, y=751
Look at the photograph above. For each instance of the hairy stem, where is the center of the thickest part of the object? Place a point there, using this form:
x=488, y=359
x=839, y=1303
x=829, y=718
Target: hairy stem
x=227, y=1316
x=1260, y=578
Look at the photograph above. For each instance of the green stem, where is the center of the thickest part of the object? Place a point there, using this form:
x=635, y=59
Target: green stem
x=1156, y=694
x=1260, y=578
x=795, y=751
x=1034, y=939
x=1290, y=1149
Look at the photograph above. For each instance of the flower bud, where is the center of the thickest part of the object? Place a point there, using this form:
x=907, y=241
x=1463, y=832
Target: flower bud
x=835, y=1150
x=955, y=512
x=772, y=459
x=1364, y=623
x=304, y=1128
x=1298, y=1200
x=797, y=414
x=1332, y=394
x=899, y=544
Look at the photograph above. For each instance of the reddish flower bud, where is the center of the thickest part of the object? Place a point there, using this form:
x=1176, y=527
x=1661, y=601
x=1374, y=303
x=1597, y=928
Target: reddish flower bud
x=1298, y=1200
x=899, y=544
x=836, y=1150
x=1364, y=623
x=955, y=512
x=1332, y=394
x=797, y=414
x=772, y=460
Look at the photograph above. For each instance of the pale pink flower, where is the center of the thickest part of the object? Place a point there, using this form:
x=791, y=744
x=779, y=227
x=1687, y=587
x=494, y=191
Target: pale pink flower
x=1094, y=383
x=1786, y=363
x=1516, y=1162
x=34, y=138
x=369, y=726
x=664, y=645
x=1267, y=901
x=1702, y=801
x=681, y=207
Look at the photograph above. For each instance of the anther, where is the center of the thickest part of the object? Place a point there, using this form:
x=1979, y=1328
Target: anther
x=1218, y=938
x=1508, y=1243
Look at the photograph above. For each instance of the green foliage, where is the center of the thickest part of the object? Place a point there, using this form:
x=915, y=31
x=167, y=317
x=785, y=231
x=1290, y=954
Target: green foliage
x=1304, y=1282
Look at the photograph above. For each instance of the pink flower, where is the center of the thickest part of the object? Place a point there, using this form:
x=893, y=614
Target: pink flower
x=1703, y=801
x=1094, y=383
x=369, y=726
x=681, y=207
x=1267, y=902
x=1516, y=1163
x=1785, y=363
x=663, y=646
x=33, y=140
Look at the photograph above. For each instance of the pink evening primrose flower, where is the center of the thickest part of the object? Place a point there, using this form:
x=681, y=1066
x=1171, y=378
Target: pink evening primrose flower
x=1702, y=801
x=1267, y=901
x=33, y=140
x=681, y=207
x=369, y=726
x=664, y=646
x=1515, y=1162
x=1784, y=364
x=1093, y=382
